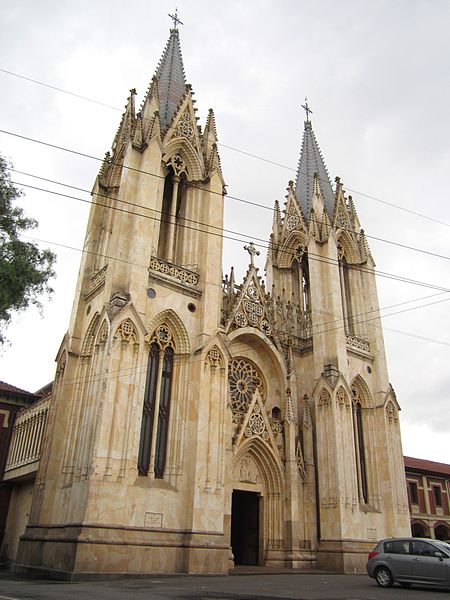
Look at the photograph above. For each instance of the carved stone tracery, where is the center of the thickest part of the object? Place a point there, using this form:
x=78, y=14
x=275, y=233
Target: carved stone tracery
x=243, y=381
x=214, y=357
x=127, y=331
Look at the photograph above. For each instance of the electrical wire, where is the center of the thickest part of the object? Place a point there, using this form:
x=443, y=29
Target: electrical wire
x=244, y=152
x=260, y=243
x=398, y=244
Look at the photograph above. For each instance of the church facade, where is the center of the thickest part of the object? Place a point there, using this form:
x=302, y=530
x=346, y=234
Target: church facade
x=196, y=422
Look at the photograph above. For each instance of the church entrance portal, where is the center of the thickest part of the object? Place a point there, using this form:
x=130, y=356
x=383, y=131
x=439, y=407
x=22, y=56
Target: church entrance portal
x=245, y=527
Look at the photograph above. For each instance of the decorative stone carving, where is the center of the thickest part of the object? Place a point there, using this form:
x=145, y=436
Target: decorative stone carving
x=127, y=331
x=243, y=381
x=307, y=421
x=277, y=427
x=391, y=412
x=103, y=332
x=299, y=460
x=97, y=282
x=61, y=366
x=324, y=398
x=356, y=343
x=355, y=394
x=186, y=128
x=341, y=218
x=292, y=222
x=341, y=397
x=248, y=473
x=182, y=274
x=178, y=165
x=241, y=319
x=214, y=357
x=289, y=407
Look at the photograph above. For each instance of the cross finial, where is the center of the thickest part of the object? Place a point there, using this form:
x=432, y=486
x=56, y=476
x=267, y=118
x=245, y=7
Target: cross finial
x=252, y=251
x=176, y=20
x=307, y=109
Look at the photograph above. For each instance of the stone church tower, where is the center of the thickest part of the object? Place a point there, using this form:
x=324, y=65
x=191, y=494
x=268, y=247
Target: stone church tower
x=196, y=423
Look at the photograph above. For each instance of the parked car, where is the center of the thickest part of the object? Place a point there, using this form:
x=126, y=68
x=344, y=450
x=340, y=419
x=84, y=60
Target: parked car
x=410, y=561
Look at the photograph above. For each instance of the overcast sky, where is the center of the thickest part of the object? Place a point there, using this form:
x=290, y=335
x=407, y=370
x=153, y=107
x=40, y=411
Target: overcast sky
x=376, y=75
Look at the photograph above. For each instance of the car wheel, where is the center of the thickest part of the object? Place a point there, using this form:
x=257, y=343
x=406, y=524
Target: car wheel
x=405, y=583
x=384, y=577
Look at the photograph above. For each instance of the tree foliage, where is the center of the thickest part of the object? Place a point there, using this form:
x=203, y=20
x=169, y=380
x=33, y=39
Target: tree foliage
x=25, y=270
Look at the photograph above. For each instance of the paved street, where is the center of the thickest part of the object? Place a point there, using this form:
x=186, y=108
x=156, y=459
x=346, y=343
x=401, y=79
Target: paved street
x=268, y=586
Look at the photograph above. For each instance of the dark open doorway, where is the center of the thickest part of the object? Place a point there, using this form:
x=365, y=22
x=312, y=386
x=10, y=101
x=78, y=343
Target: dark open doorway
x=245, y=527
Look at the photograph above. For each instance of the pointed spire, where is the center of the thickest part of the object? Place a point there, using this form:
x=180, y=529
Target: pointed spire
x=171, y=79
x=310, y=163
x=126, y=127
x=276, y=224
x=210, y=133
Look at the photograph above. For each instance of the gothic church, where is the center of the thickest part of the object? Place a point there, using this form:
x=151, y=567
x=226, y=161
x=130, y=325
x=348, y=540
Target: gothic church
x=197, y=422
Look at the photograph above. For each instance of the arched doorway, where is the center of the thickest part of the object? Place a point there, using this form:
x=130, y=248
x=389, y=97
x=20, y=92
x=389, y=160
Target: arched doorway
x=245, y=527
x=442, y=532
x=257, y=512
x=419, y=530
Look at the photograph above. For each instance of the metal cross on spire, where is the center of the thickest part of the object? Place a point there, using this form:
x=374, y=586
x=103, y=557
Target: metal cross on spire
x=307, y=109
x=252, y=251
x=176, y=20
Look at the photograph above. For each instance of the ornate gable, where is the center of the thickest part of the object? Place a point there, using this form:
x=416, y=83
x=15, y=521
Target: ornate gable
x=251, y=306
x=256, y=424
x=293, y=220
x=341, y=217
x=183, y=138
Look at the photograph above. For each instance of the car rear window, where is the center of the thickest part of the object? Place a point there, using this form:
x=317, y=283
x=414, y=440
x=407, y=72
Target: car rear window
x=396, y=547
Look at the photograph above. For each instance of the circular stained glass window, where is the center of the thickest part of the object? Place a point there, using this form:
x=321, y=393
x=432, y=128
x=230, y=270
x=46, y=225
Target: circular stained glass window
x=243, y=381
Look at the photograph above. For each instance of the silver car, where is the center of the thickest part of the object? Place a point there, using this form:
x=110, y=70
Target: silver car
x=410, y=560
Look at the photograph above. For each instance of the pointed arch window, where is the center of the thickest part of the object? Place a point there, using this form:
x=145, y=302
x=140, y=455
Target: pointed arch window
x=172, y=226
x=360, y=452
x=301, y=279
x=346, y=295
x=156, y=408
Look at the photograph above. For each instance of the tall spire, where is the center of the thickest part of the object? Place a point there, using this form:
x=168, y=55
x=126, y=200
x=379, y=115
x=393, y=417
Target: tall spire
x=311, y=162
x=170, y=78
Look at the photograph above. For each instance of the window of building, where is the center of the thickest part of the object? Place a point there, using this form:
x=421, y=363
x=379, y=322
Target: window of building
x=276, y=413
x=437, y=494
x=413, y=492
x=173, y=217
x=156, y=408
x=346, y=296
x=301, y=288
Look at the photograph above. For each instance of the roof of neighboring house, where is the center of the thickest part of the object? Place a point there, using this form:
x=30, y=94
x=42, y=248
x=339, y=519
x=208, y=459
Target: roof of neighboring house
x=426, y=465
x=11, y=390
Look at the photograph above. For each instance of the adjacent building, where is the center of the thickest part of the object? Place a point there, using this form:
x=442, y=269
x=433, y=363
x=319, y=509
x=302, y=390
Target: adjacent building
x=428, y=494
x=22, y=421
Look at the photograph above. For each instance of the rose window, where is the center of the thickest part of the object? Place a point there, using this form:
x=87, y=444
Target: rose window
x=243, y=381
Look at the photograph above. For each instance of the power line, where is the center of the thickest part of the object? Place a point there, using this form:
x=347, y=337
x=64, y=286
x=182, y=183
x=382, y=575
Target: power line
x=379, y=317
x=418, y=337
x=196, y=186
x=260, y=243
x=58, y=89
x=244, y=152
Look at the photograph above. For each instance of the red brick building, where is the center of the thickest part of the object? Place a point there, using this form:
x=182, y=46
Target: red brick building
x=428, y=485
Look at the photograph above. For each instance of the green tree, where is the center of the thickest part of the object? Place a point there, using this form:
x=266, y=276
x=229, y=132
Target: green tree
x=25, y=270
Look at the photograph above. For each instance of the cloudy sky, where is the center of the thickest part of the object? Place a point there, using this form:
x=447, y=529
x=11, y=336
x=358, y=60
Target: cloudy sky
x=376, y=75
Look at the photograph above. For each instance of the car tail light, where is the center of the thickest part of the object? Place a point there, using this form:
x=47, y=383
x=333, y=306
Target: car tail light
x=372, y=554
